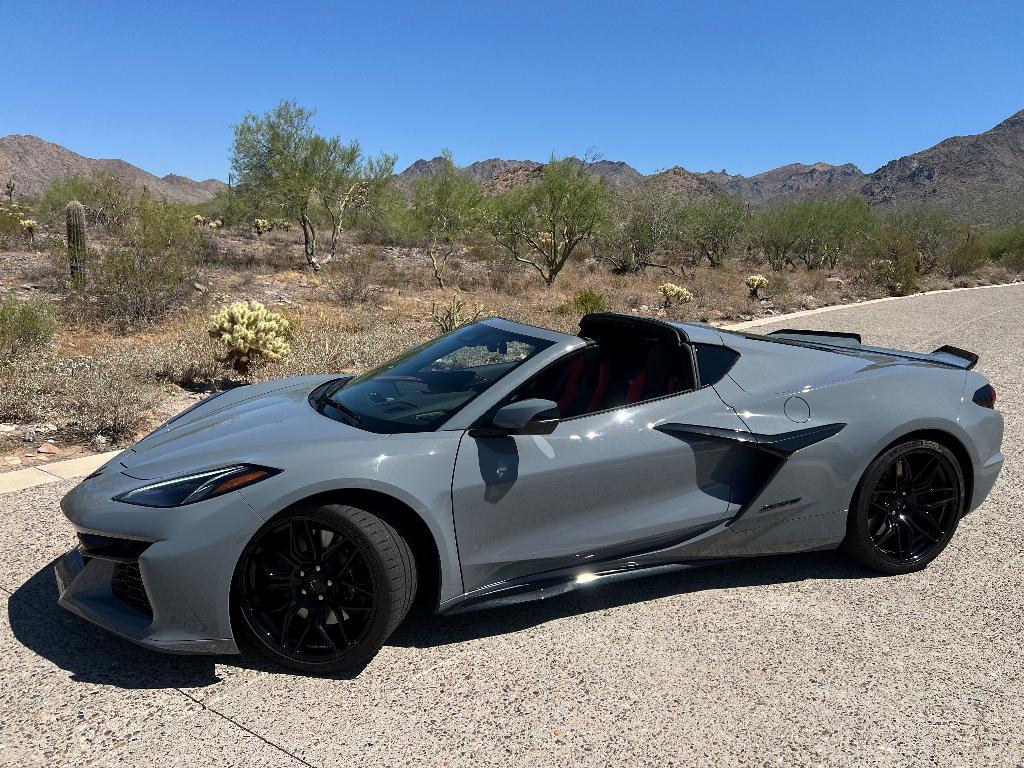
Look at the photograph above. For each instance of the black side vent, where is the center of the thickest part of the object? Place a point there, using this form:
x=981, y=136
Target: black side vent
x=126, y=584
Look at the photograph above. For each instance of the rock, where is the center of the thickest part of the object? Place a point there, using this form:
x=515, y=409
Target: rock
x=11, y=461
x=99, y=441
x=808, y=302
x=47, y=447
x=29, y=436
x=199, y=287
x=45, y=429
x=6, y=429
x=836, y=281
x=716, y=314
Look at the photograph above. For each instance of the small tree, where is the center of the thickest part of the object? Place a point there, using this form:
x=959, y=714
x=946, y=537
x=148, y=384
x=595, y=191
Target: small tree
x=776, y=232
x=445, y=208
x=543, y=225
x=283, y=165
x=646, y=220
x=715, y=226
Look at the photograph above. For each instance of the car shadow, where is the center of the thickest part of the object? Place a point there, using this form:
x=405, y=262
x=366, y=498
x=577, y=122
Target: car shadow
x=93, y=655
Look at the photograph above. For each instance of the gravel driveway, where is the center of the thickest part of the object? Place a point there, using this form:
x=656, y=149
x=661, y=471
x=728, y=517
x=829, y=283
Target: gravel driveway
x=800, y=660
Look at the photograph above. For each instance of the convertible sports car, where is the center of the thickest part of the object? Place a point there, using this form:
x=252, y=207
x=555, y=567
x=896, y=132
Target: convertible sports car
x=502, y=461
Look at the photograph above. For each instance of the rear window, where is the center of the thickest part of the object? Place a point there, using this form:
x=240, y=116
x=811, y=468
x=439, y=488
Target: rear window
x=714, y=362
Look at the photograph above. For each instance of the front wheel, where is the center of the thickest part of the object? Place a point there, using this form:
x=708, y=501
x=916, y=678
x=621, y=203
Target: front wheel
x=321, y=589
x=906, y=508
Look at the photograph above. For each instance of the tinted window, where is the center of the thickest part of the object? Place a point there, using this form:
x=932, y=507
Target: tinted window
x=714, y=362
x=423, y=388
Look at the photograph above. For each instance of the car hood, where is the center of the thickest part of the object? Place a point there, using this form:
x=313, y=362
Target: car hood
x=260, y=424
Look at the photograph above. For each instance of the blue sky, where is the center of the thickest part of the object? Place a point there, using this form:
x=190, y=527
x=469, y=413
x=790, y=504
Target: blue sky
x=745, y=86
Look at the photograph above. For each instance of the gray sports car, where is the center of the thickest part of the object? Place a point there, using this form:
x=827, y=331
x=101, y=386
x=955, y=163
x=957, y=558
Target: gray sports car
x=502, y=461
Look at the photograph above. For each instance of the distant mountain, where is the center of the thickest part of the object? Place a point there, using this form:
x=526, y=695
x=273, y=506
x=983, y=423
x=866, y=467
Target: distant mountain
x=682, y=183
x=979, y=177
x=498, y=175
x=796, y=181
x=34, y=164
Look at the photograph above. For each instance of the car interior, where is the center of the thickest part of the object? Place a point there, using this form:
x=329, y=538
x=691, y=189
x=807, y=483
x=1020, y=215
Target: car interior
x=623, y=363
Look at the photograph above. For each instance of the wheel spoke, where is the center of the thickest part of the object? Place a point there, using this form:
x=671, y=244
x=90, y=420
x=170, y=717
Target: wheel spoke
x=886, y=536
x=918, y=529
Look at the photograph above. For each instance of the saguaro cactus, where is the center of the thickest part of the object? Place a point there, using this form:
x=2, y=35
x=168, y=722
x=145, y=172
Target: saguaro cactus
x=76, y=238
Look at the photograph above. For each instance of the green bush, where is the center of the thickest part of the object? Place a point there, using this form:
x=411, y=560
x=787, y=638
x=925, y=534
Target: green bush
x=25, y=325
x=148, y=274
x=584, y=302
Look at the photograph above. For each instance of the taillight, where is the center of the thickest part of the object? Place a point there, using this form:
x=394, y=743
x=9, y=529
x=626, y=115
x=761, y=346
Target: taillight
x=986, y=396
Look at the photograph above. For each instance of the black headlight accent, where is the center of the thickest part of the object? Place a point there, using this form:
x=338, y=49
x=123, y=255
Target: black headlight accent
x=199, y=486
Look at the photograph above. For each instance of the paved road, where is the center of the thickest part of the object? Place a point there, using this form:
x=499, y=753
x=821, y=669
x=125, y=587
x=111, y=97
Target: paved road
x=800, y=660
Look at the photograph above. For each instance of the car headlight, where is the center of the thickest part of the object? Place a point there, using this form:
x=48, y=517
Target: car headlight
x=199, y=486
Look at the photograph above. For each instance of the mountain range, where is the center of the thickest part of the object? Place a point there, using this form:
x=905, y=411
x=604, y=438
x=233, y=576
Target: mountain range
x=34, y=164
x=979, y=177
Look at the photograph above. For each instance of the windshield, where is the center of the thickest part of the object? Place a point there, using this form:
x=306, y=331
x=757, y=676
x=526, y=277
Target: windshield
x=423, y=388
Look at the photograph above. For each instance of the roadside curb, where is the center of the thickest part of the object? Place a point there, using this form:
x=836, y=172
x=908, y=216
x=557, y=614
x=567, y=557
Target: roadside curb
x=836, y=307
x=53, y=473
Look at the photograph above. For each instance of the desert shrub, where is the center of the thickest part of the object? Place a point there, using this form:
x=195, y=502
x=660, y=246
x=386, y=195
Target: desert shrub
x=584, y=302
x=454, y=315
x=249, y=330
x=322, y=345
x=99, y=395
x=104, y=396
x=189, y=360
x=23, y=392
x=890, y=259
x=25, y=325
x=55, y=198
x=148, y=274
x=963, y=256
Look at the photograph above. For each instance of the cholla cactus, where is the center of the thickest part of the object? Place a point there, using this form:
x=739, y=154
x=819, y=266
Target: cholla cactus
x=199, y=220
x=250, y=330
x=675, y=294
x=28, y=226
x=261, y=226
x=282, y=225
x=755, y=283
x=215, y=224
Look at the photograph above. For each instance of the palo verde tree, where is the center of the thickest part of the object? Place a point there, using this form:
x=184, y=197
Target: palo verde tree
x=645, y=220
x=285, y=167
x=445, y=208
x=543, y=225
x=715, y=226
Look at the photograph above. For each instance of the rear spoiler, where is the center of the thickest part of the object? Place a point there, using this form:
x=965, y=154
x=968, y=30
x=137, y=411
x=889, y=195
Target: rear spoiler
x=961, y=358
x=944, y=355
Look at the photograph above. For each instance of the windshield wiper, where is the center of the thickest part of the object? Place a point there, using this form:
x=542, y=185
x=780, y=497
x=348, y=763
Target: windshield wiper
x=353, y=419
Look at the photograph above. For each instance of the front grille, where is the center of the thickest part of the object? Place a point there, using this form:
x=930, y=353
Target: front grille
x=110, y=548
x=126, y=584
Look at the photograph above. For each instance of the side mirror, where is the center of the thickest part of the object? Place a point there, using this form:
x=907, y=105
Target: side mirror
x=529, y=417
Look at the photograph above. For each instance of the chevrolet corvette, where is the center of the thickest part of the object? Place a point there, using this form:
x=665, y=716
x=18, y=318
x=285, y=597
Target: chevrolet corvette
x=301, y=517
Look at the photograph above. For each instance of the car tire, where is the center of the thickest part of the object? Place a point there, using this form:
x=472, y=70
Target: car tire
x=344, y=577
x=906, y=507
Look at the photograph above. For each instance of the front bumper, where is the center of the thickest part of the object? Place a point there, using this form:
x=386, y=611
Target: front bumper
x=173, y=593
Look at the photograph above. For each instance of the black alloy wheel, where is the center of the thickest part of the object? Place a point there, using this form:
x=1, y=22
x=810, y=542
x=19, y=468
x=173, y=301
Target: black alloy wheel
x=907, y=507
x=320, y=590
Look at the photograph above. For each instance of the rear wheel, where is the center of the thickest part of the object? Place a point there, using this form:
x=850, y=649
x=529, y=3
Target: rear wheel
x=321, y=589
x=906, y=508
